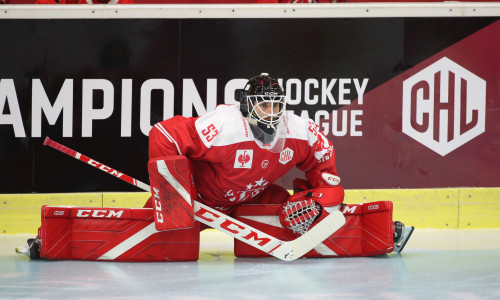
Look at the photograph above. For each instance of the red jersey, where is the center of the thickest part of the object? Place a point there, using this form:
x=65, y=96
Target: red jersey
x=229, y=166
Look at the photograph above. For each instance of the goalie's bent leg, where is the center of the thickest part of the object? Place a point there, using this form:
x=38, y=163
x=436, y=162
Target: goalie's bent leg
x=173, y=191
x=369, y=230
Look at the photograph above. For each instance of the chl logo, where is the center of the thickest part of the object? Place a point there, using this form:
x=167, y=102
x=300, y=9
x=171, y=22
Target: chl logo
x=286, y=155
x=444, y=106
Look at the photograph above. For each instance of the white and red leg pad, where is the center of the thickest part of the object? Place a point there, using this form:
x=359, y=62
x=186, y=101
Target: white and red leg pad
x=173, y=190
x=112, y=234
x=368, y=230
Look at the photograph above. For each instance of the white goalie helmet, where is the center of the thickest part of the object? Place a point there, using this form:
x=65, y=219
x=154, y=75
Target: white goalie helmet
x=263, y=105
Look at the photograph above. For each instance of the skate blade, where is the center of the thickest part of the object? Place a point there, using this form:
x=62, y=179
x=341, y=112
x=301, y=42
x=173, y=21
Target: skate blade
x=406, y=236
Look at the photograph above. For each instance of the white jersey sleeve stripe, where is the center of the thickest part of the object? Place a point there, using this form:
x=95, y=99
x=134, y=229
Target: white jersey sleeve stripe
x=168, y=136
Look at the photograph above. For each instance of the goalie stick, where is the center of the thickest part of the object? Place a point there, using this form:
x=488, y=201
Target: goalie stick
x=284, y=250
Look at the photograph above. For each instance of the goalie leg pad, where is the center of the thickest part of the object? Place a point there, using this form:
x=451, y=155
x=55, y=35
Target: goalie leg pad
x=112, y=234
x=368, y=230
x=173, y=191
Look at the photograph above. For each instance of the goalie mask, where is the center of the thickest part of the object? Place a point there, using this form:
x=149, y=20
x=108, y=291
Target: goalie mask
x=263, y=105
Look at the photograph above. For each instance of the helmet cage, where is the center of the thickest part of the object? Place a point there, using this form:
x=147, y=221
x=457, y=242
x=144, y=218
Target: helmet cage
x=267, y=110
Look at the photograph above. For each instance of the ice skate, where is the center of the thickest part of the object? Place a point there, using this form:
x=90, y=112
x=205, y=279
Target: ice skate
x=402, y=234
x=31, y=249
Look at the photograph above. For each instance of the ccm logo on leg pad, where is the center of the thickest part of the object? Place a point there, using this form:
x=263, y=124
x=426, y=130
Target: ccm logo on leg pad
x=99, y=213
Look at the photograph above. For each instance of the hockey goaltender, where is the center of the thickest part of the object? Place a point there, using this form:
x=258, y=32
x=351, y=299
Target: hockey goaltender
x=218, y=170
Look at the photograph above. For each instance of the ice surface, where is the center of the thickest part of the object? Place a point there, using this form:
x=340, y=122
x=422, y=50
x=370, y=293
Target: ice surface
x=436, y=264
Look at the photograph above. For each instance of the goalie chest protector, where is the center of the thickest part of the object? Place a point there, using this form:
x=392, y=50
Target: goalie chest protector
x=112, y=234
x=368, y=230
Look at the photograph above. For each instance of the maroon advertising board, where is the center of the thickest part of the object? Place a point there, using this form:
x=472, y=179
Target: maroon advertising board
x=407, y=102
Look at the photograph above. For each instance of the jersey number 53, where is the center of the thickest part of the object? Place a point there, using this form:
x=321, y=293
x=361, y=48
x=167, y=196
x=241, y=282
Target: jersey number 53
x=210, y=132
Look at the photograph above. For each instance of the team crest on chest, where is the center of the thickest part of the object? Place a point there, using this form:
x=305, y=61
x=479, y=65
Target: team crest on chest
x=243, y=159
x=286, y=155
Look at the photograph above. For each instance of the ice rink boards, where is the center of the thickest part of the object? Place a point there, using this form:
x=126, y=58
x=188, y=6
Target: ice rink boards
x=436, y=264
